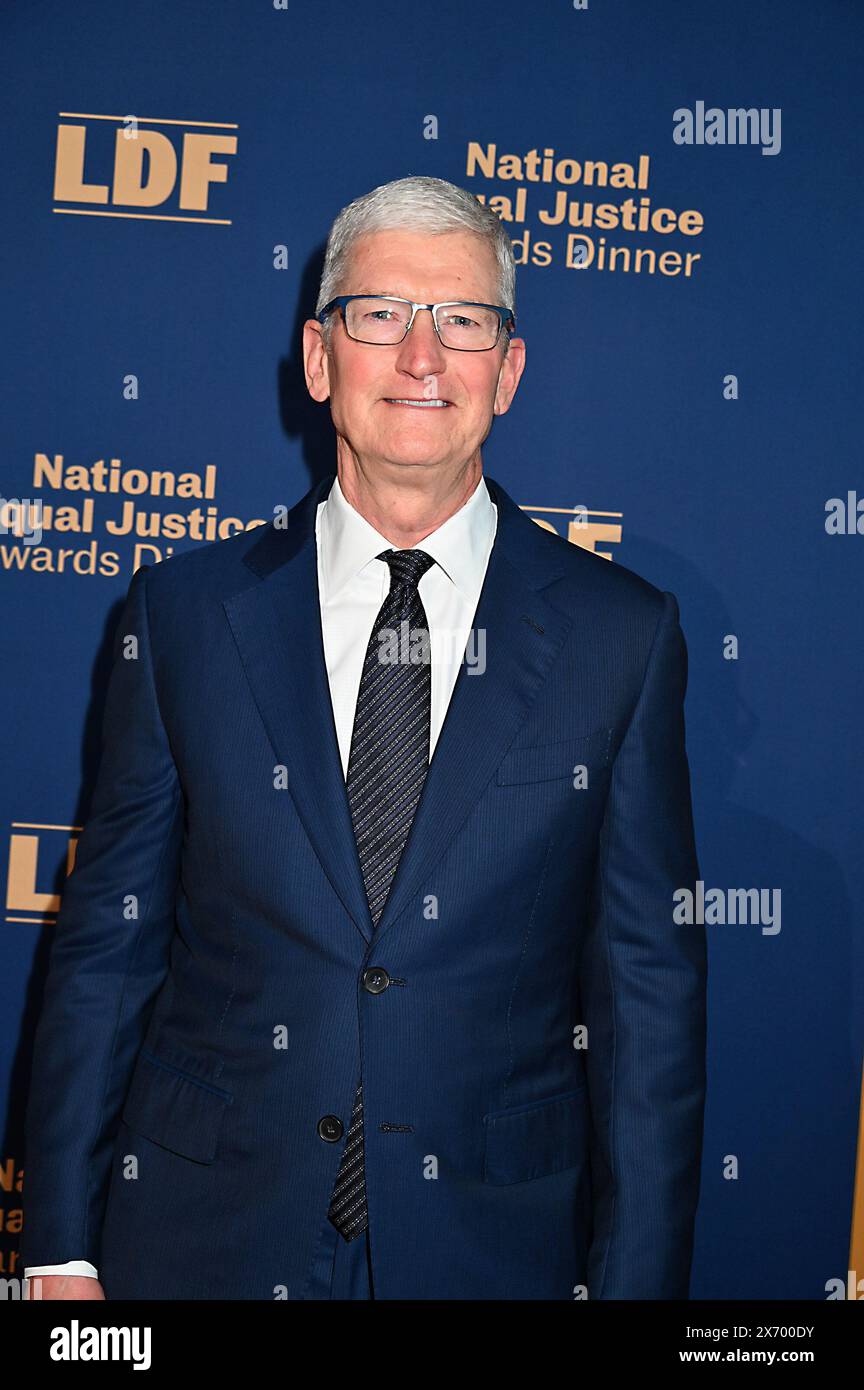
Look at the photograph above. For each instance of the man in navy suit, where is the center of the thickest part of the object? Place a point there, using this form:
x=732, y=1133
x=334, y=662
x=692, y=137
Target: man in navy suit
x=367, y=981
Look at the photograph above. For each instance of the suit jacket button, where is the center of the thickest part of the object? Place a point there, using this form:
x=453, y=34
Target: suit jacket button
x=330, y=1127
x=375, y=979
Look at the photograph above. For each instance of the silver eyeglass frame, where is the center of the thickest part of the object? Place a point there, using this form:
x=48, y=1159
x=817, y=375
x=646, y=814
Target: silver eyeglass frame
x=506, y=318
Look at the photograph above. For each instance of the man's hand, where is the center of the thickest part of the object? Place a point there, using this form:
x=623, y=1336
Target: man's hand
x=75, y=1288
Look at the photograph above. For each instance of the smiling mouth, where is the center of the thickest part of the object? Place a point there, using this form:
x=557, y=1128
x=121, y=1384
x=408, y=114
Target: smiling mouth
x=434, y=404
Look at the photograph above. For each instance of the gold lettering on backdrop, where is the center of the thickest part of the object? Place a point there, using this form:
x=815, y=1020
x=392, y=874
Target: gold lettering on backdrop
x=532, y=167
x=32, y=521
x=129, y=186
x=553, y=206
x=583, y=527
x=172, y=169
x=25, y=900
x=112, y=477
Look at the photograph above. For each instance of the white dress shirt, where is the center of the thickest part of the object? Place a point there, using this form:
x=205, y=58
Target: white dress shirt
x=352, y=585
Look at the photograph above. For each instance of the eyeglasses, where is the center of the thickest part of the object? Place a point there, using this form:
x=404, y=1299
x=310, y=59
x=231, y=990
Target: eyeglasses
x=384, y=321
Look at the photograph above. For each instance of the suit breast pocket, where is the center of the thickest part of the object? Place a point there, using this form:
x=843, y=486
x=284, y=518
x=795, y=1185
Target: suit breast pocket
x=550, y=761
x=175, y=1109
x=534, y=1140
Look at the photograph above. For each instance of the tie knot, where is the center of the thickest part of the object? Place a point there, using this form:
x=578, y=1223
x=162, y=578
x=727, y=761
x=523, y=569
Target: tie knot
x=406, y=566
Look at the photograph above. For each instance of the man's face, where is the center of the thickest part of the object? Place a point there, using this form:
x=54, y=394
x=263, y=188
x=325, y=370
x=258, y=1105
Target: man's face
x=363, y=380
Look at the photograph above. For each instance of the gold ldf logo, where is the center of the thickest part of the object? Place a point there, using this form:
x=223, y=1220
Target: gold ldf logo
x=152, y=170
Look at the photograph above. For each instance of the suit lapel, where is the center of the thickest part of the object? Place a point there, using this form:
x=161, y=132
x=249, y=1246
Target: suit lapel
x=277, y=626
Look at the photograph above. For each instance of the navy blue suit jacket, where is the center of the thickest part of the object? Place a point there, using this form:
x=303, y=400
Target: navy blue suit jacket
x=205, y=1005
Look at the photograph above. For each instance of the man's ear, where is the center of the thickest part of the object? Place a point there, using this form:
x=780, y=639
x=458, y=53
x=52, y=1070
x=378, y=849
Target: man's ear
x=509, y=374
x=316, y=361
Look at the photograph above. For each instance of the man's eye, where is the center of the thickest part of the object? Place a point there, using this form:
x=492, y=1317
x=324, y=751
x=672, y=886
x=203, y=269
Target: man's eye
x=378, y=313
x=461, y=321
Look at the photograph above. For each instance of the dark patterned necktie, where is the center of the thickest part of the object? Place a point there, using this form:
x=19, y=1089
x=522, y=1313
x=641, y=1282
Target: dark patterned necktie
x=387, y=767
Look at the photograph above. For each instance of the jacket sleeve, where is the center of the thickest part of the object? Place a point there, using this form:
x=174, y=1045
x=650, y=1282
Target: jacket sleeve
x=643, y=988
x=108, y=958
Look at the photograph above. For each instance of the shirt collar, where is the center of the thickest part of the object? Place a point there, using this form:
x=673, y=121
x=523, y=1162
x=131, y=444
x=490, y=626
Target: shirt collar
x=460, y=545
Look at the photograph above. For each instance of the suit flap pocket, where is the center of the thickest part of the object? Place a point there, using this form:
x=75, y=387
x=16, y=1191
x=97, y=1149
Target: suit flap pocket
x=174, y=1109
x=534, y=1140
x=552, y=760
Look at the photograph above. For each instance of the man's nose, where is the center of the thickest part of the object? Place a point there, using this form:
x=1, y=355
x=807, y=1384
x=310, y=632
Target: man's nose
x=421, y=346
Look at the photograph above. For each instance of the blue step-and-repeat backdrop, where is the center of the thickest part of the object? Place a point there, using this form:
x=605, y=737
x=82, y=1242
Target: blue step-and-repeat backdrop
x=681, y=183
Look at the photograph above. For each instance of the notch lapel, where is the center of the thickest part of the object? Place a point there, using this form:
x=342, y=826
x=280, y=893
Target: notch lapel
x=524, y=634
x=277, y=627
x=276, y=624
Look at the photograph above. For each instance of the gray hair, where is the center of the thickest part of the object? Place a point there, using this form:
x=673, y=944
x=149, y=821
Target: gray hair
x=419, y=203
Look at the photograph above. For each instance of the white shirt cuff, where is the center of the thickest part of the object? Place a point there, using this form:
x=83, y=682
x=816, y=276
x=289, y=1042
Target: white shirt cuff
x=71, y=1267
